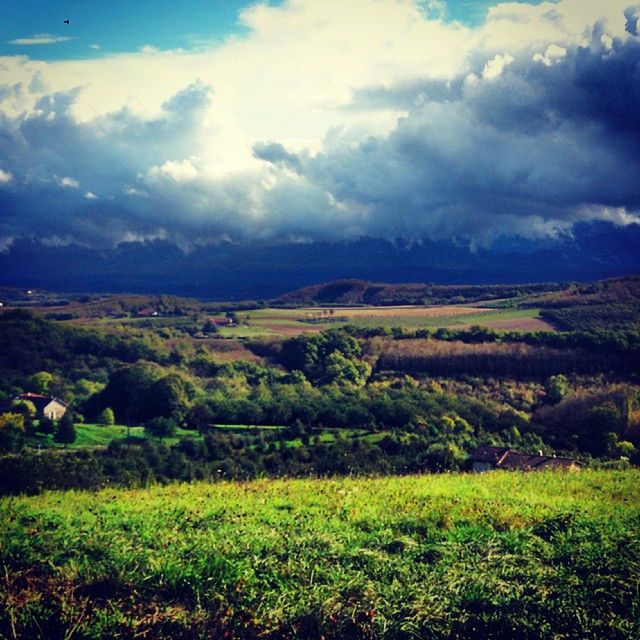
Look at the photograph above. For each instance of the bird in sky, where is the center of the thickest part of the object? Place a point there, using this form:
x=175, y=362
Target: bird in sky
x=67, y=21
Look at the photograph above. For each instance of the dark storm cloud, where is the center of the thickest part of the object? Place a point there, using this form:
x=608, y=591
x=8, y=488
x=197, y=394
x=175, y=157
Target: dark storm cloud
x=60, y=165
x=632, y=15
x=547, y=142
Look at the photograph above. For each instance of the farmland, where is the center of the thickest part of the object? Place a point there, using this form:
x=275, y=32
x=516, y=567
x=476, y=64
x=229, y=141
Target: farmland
x=287, y=322
x=204, y=320
x=451, y=556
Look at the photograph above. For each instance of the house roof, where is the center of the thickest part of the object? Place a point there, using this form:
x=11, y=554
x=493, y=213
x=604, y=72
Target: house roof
x=40, y=401
x=505, y=458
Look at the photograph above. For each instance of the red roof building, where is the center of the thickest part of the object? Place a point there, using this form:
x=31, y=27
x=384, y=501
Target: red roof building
x=486, y=458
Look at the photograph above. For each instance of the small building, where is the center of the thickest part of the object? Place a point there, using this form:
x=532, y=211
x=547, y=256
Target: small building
x=486, y=458
x=46, y=406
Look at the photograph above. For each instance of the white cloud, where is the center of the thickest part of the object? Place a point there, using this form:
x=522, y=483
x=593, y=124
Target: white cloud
x=132, y=191
x=606, y=40
x=5, y=176
x=618, y=215
x=178, y=170
x=552, y=55
x=40, y=38
x=494, y=67
x=68, y=183
x=95, y=46
x=89, y=195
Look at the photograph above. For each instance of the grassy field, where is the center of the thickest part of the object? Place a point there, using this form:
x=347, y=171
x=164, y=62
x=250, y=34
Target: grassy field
x=98, y=435
x=500, y=555
x=518, y=318
x=89, y=436
x=264, y=322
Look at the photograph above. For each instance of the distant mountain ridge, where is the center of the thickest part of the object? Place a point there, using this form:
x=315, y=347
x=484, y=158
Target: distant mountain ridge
x=229, y=271
x=354, y=292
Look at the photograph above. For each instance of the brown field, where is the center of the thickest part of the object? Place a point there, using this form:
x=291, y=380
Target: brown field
x=227, y=350
x=292, y=329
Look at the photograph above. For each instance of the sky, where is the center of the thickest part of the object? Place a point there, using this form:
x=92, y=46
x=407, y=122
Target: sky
x=303, y=120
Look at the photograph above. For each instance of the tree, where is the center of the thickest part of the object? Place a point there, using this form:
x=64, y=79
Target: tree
x=27, y=409
x=199, y=417
x=11, y=432
x=556, y=388
x=160, y=427
x=65, y=433
x=107, y=417
x=603, y=425
x=169, y=397
x=40, y=381
x=340, y=369
x=47, y=426
x=128, y=392
x=445, y=456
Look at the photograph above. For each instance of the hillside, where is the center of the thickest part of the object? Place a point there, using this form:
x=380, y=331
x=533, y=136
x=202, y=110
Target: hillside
x=354, y=291
x=607, y=304
x=613, y=290
x=496, y=555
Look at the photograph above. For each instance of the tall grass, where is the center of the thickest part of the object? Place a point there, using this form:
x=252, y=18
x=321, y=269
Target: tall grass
x=500, y=555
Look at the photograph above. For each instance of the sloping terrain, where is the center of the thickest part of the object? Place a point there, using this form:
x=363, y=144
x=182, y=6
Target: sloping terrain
x=374, y=293
x=498, y=555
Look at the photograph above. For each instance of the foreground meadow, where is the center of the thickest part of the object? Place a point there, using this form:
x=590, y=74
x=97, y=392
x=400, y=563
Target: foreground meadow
x=497, y=555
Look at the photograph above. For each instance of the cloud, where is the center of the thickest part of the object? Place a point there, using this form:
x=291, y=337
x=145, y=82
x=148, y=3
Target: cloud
x=275, y=153
x=494, y=67
x=325, y=123
x=552, y=54
x=5, y=176
x=68, y=183
x=178, y=170
x=40, y=38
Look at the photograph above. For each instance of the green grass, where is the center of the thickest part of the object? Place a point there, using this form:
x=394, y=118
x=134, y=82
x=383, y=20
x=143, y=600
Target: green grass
x=244, y=331
x=250, y=428
x=445, y=320
x=90, y=436
x=501, y=555
x=98, y=435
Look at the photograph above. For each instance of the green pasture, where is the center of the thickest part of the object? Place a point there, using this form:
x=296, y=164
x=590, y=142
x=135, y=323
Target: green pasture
x=497, y=555
x=484, y=318
x=97, y=435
